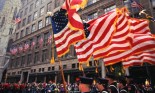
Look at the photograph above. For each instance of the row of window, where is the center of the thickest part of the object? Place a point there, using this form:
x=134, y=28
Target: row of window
x=32, y=28
x=73, y=66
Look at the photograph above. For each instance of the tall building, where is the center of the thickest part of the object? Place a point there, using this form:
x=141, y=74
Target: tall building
x=33, y=62
x=8, y=9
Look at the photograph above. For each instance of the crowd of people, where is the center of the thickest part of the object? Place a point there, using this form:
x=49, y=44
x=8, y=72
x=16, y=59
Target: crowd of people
x=84, y=85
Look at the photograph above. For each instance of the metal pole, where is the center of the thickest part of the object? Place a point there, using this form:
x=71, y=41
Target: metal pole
x=103, y=69
x=62, y=74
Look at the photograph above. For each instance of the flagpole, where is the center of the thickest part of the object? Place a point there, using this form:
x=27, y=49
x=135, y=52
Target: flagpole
x=59, y=59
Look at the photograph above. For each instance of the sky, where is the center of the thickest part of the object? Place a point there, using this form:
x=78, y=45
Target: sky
x=2, y=4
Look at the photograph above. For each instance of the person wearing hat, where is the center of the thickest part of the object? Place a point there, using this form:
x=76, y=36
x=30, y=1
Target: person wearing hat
x=122, y=85
x=131, y=84
x=102, y=85
x=112, y=88
x=84, y=85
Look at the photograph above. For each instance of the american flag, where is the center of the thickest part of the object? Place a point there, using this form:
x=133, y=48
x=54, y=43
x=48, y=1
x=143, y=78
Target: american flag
x=13, y=50
x=140, y=44
x=41, y=42
x=140, y=33
x=63, y=35
x=72, y=6
x=26, y=47
x=49, y=39
x=136, y=4
x=101, y=32
x=20, y=48
x=139, y=59
x=17, y=18
x=121, y=39
x=32, y=44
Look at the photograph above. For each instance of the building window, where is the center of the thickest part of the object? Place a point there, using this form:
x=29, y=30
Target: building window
x=46, y=38
x=37, y=3
x=37, y=42
x=26, y=11
x=73, y=66
x=21, y=14
x=22, y=34
x=24, y=22
x=11, y=30
x=53, y=68
x=49, y=68
x=29, y=59
x=27, y=31
x=91, y=2
x=36, y=57
x=29, y=19
x=3, y=21
x=49, y=6
x=17, y=36
x=39, y=69
x=42, y=69
x=93, y=16
x=23, y=61
x=64, y=66
x=31, y=7
x=35, y=15
x=47, y=21
x=40, y=24
x=19, y=24
x=109, y=8
x=44, y=55
x=33, y=28
x=42, y=10
x=17, y=62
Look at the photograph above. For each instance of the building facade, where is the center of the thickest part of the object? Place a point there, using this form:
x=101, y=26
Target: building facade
x=7, y=12
x=33, y=63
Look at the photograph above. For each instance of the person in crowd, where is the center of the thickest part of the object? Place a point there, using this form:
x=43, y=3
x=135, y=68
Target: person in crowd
x=132, y=88
x=112, y=88
x=122, y=85
x=102, y=85
x=84, y=85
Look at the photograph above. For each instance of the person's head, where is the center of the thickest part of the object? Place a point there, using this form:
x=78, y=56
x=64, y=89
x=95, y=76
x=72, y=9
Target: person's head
x=110, y=78
x=121, y=82
x=84, y=85
x=129, y=79
x=101, y=84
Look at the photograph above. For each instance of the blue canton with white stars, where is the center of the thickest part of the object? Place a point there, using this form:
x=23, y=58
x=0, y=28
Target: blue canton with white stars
x=59, y=21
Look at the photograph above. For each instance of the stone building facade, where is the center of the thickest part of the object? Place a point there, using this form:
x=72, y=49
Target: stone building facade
x=34, y=64
x=7, y=26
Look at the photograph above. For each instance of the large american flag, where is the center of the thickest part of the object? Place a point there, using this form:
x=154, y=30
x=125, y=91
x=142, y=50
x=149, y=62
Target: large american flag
x=121, y=39
x=63, y=35
x=101, y=32
x=138, y=59
x=139, y=29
